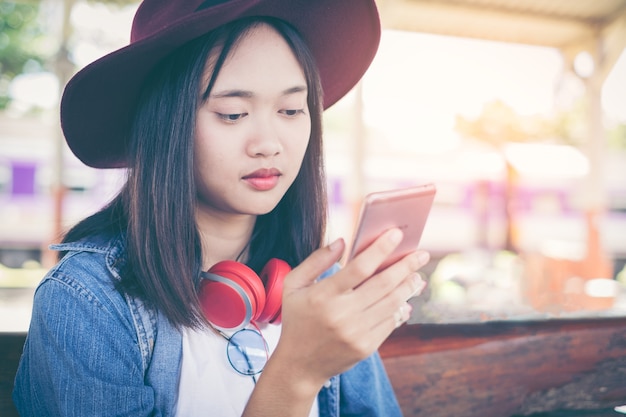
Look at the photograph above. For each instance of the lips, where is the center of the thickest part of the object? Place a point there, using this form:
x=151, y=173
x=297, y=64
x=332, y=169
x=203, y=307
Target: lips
x=263, y=179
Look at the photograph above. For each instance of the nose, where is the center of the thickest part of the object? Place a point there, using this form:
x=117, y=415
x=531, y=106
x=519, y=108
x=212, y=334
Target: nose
x=264, y=138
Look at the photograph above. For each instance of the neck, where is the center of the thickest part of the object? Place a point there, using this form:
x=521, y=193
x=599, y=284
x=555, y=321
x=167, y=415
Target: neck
x=224, y=236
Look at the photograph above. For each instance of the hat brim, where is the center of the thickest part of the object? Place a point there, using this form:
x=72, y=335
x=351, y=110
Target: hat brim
x=98, y=102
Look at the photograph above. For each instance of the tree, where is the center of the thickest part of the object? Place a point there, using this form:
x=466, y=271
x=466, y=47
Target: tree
x=22, y=40
x=20, y=32
x=617, y=137
x=571, y=126
x=497, y=125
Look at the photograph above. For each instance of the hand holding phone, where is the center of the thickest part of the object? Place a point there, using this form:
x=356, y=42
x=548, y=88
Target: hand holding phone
x=406, y=209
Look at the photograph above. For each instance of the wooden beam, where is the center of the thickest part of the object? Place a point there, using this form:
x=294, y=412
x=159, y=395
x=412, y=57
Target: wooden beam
x=496, y=24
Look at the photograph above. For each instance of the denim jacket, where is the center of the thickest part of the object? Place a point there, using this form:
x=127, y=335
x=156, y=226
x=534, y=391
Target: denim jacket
x=94, y=351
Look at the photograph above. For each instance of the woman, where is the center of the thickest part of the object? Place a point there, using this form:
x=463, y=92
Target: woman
x=215, y=108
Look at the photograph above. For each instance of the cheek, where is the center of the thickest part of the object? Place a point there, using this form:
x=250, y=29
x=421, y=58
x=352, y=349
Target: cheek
x=301, y=151
x=211, y=161
x=301, y=142
x=199, y=157
x=205, y=158
x=207, y=148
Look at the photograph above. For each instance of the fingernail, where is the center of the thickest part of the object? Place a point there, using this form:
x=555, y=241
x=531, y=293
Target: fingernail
x=334, y=246
x=424, y=257
x=395, y=236
x=419, y=284
x=403, y=314
x=418, y=279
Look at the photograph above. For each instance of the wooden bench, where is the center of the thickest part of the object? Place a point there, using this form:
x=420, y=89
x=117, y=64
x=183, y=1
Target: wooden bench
x=498, y=369
x=10, y=351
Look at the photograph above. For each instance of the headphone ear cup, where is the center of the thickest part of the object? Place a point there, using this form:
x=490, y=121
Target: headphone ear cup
x=273, y=274
x=231, y=295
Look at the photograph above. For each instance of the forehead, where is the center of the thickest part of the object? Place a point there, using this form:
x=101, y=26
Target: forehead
x=258, y=51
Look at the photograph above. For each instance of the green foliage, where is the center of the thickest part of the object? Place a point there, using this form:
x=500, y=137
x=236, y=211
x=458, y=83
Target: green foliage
x=499, y=124
x=617, y=139
x=19, y=31
x=571, y=125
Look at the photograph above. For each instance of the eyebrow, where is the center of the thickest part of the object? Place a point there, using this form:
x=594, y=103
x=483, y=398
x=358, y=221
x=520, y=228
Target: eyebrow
x=250, y=94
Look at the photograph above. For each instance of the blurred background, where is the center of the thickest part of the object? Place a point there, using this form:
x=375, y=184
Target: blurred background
x=516, y=110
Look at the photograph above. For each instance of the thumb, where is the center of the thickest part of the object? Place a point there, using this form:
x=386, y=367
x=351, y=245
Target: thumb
x=314, y=265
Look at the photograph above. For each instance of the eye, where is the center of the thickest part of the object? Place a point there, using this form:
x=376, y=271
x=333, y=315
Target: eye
x=232, y=117
x=292, y=112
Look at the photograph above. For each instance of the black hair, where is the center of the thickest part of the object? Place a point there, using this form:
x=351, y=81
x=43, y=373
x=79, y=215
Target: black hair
x=154, y=210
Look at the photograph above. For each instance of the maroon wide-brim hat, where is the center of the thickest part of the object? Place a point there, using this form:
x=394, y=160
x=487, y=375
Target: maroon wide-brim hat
x=98, y=102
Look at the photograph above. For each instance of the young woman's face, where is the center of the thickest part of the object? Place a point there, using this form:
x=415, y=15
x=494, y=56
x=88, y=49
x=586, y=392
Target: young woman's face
x=252, y=132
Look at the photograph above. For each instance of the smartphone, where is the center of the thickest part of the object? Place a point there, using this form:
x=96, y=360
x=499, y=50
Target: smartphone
x=406, y=209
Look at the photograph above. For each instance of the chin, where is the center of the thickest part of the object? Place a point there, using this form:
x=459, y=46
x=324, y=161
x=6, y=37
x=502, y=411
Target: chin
x=263, y=208
x=263, y=211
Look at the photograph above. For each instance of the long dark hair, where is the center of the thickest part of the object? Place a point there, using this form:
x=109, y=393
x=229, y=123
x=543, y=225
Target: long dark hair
x=154, y=211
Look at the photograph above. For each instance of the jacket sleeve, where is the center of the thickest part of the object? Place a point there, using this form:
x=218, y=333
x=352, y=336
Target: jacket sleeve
x=365, y=391
x=81, y=356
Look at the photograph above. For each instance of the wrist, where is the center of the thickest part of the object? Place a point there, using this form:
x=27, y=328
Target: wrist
x=296, y=380
x=278, y=394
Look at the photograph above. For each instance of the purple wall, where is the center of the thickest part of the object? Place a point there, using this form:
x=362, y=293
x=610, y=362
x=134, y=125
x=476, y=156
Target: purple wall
x=23, y=178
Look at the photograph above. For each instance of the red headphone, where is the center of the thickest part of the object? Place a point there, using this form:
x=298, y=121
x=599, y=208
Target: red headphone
x=233, y=295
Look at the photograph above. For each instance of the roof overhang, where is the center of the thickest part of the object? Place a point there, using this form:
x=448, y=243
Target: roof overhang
x=598, y=26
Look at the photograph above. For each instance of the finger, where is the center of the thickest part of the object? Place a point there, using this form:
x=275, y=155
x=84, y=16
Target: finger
x=402, y=273
x=315, y=265
x=383, y=326
x=420, y=287
x=365, y=264
x=402, y=315
x=386, y=308
x=385, y=318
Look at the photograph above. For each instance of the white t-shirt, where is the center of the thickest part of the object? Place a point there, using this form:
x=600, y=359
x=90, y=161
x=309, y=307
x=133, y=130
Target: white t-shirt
x=208, y=385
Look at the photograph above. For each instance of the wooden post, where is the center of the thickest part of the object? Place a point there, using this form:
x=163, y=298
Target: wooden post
x=63, y=69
